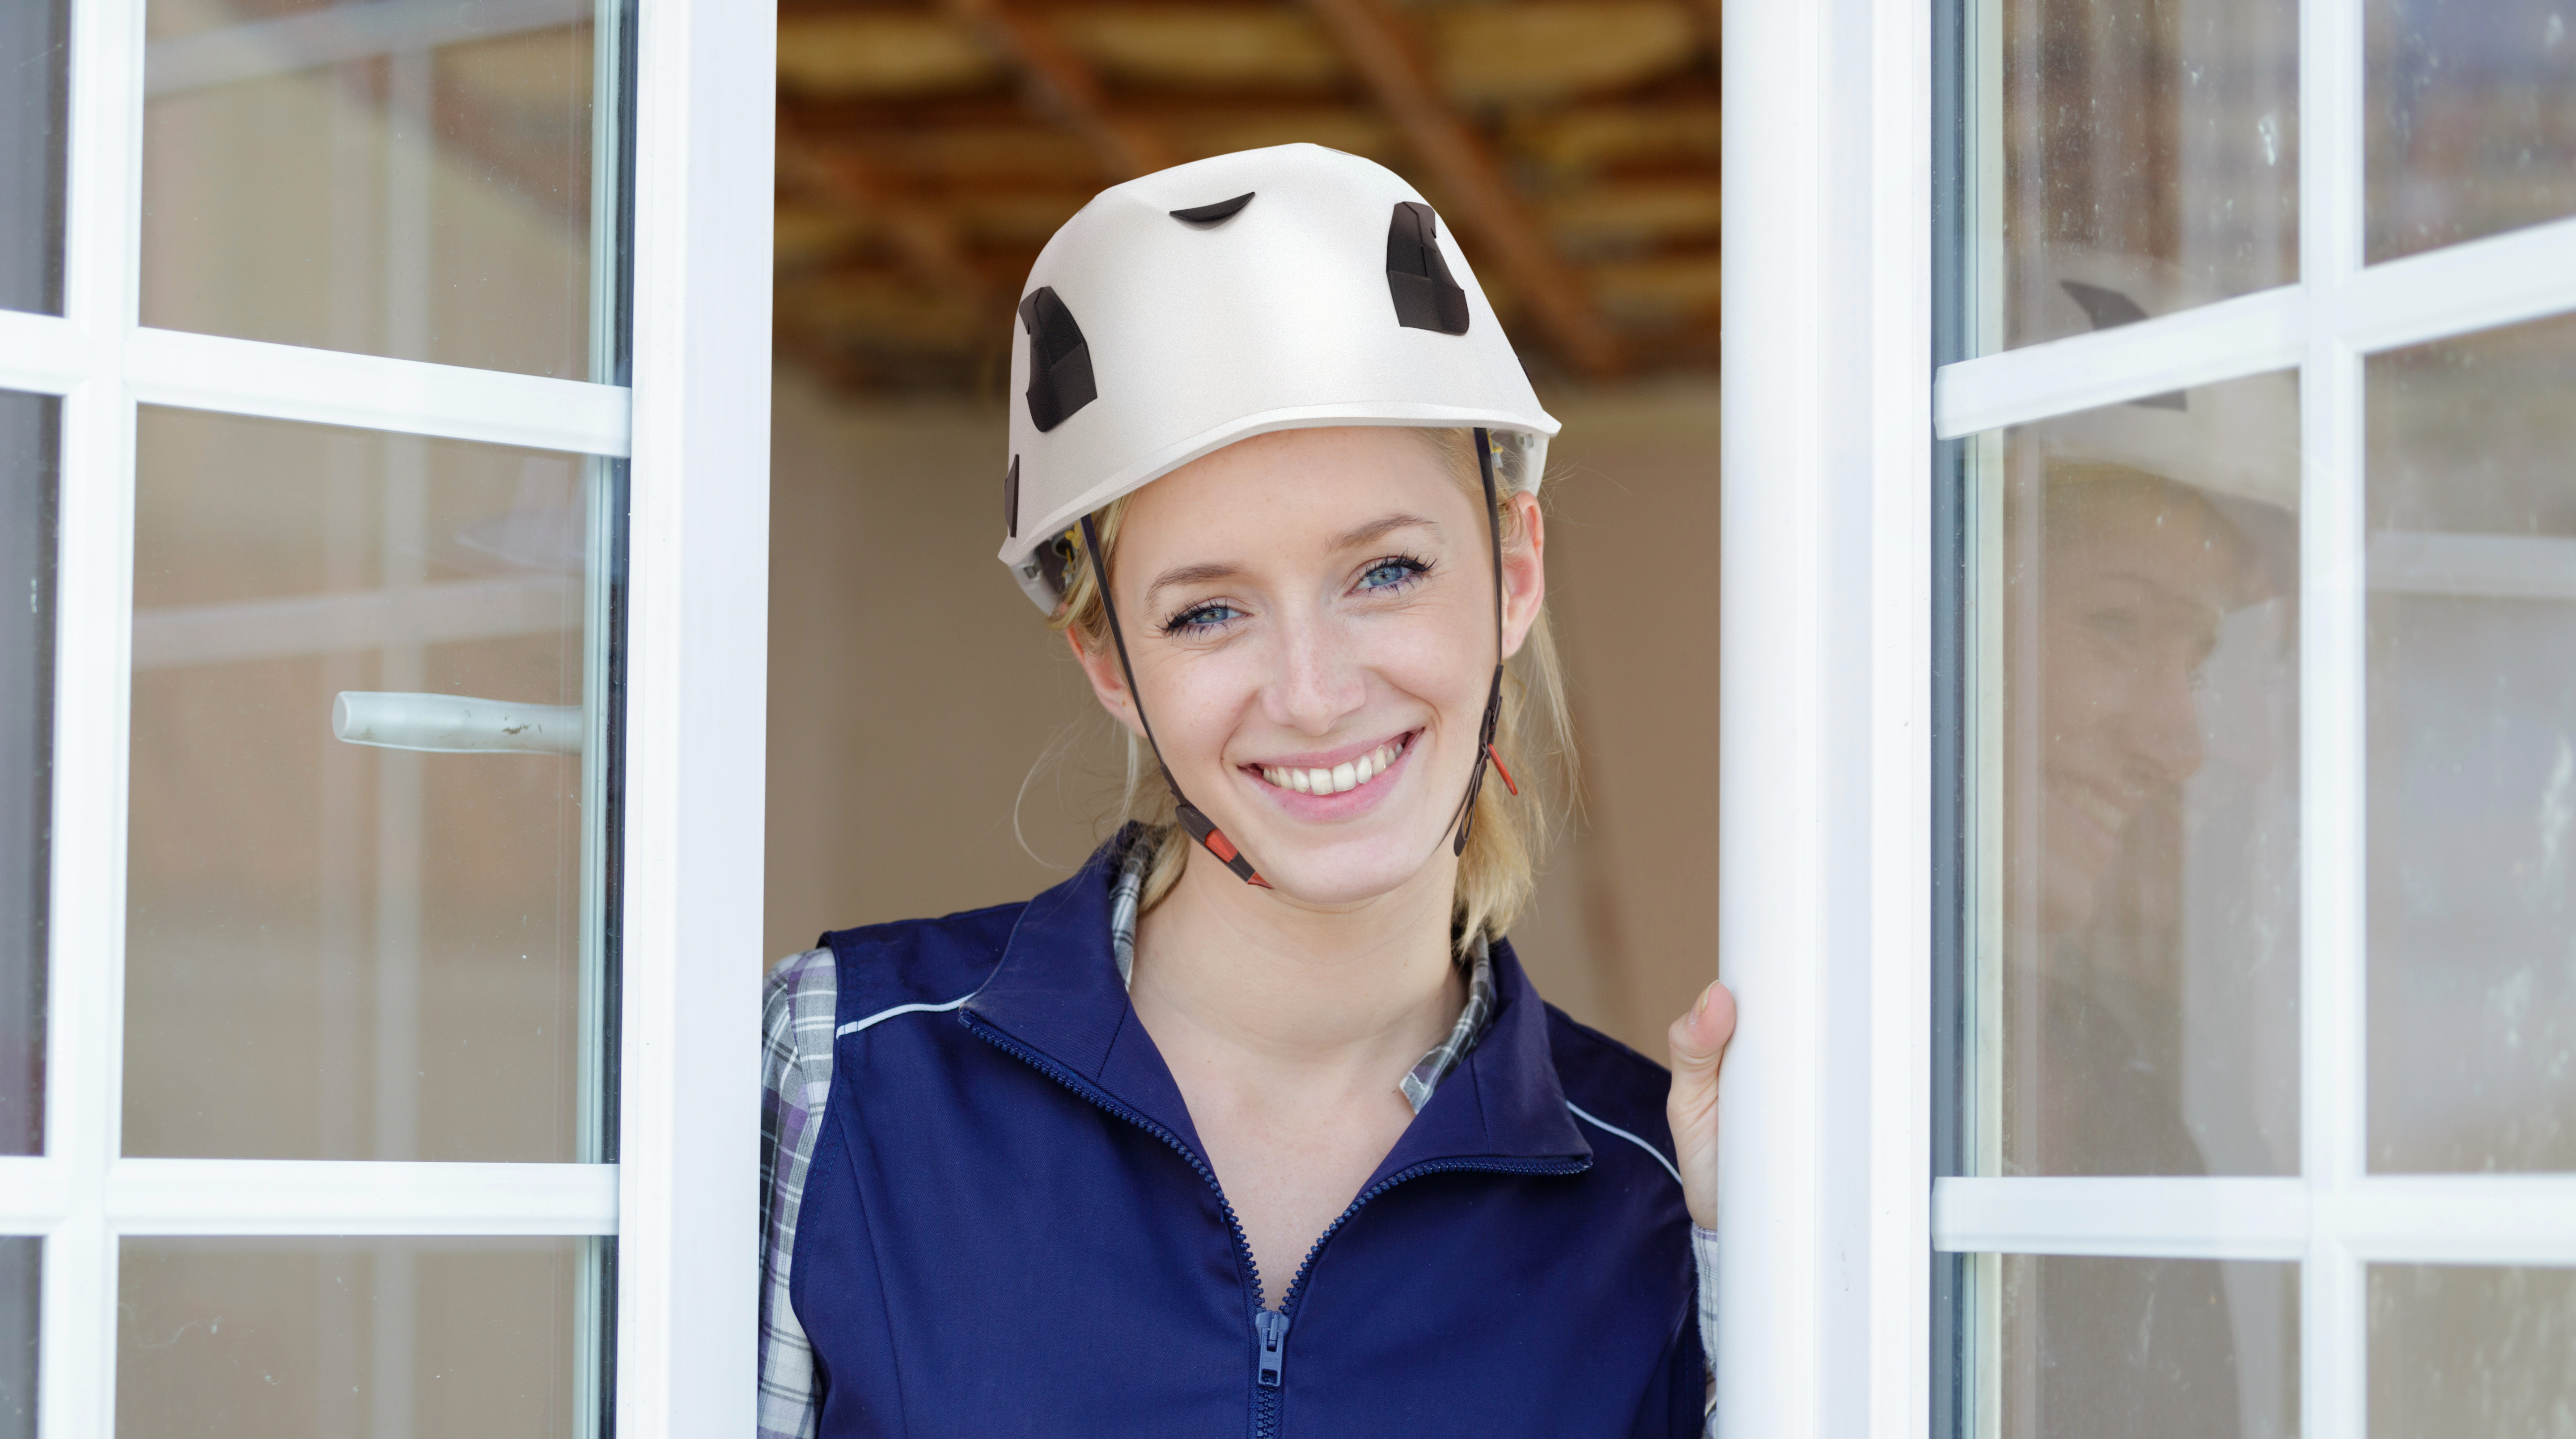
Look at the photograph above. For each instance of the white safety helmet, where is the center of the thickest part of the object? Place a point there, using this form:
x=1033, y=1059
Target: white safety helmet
x=1279, y=289
x=1275, y=289
x=2237, y=440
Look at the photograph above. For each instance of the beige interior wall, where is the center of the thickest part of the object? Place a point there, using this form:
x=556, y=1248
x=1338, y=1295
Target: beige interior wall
x=932, y=748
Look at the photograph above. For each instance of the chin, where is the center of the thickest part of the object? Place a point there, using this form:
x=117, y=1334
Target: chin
x=1343, y=871
x=2066, y=902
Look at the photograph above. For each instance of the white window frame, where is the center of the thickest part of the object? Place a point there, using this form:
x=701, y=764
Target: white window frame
x=1831, y=1211
x=695, y=428
x=1824, y=777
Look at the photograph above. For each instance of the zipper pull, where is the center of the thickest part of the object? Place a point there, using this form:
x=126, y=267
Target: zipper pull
x=1271, y=1326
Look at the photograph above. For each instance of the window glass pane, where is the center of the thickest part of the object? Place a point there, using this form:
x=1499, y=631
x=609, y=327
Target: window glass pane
x=414, y=181
x=2472, y=779
x=368, y=789
x=29, y=436
x=2460, y=1350
x=358, y=1338
x=35, y=56
x=2141, y=1348
x=21, y=1288
x=2115, y=139
x=2133, y=780
x=2472, y=117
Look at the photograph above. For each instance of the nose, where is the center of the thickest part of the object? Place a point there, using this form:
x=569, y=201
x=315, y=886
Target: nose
x=1319, y=680
x=2160, y=729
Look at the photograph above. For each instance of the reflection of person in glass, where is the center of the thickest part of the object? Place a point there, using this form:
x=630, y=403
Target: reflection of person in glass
x=2131, y=536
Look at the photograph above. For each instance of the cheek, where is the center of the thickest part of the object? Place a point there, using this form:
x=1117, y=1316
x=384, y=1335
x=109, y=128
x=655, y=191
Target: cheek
x=1440, y=658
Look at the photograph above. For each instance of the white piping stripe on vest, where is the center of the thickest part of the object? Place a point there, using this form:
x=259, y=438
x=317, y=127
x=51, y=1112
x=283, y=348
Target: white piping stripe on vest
x=1623, y=1134
x=882, y=1015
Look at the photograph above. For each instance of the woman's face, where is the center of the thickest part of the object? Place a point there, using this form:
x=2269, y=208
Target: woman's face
x=1310, y=615
x=2135, y=581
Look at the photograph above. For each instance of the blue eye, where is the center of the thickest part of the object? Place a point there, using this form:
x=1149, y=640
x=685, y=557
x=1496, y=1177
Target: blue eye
x=1393, y=572
x=1200, y=620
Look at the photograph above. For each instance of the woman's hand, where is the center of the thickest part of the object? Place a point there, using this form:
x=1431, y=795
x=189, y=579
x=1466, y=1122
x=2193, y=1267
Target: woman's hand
x=1698, y=1042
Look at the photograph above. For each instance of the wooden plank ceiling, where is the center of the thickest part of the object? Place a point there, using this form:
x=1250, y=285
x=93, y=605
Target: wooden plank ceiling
x=927, y=148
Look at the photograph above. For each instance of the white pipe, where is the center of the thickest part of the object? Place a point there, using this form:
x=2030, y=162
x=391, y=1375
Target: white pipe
x=454, y=724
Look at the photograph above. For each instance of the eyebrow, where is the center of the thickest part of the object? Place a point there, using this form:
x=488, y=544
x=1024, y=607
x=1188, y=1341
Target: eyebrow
x=1352, y=538
x=1189, y=575
x=2158, y=592
x=1383, y=525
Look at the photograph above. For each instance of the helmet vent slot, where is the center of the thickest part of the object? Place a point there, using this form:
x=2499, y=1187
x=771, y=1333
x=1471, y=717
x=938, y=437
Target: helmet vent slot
x=1204, y=217
x=1011, y=499
x=1060, y=380
x=2108, y=309
x=1417, y=275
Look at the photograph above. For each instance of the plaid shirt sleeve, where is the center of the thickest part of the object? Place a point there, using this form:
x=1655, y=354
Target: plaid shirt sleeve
x=795, y=1079
x=1704, y=1251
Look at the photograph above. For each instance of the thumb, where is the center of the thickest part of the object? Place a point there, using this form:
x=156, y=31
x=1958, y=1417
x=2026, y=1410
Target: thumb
x=1699, y=1038
x=1698, y=1041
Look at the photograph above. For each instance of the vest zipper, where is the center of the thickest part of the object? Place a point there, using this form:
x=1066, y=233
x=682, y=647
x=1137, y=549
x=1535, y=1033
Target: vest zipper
x=1269, y=1326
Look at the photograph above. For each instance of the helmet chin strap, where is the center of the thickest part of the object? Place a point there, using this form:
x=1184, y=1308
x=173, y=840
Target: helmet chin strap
x=1195, y=820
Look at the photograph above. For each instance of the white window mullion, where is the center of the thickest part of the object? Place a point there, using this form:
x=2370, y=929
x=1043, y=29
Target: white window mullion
x=2333, y=1342
x=42, y=354
x=697, y=674
x=2426, y=1219
x=94, y=592
x=342, y=1197
x=412, y=397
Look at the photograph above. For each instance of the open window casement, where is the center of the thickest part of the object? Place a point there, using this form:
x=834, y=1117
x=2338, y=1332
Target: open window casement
x=383, y=422
x=2146, y=534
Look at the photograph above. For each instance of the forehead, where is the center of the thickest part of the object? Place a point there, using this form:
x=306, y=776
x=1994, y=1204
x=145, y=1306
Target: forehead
x=1294, y=483
x=2162, y=534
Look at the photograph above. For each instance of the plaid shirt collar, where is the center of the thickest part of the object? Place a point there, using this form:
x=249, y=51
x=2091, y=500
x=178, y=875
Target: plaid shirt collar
x=1421, y=1081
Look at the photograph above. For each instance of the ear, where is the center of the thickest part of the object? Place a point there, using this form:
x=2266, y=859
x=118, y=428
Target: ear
x=1108, y=683
x=1524, y=572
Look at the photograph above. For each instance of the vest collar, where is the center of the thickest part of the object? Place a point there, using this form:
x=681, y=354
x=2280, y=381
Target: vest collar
x=1056, y=993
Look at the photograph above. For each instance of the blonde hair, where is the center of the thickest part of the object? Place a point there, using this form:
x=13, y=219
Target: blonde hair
x=1535, y=735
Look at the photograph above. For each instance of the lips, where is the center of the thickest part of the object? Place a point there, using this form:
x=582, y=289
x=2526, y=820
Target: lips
x=1338, y=778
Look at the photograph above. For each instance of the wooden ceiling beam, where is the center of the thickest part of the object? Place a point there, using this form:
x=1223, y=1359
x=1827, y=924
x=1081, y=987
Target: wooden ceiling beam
x=1064, y=84
x=1377, y=45
x=927, y=239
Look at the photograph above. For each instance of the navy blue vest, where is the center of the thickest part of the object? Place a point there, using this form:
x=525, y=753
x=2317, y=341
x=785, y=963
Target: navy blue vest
x=1009, y=1227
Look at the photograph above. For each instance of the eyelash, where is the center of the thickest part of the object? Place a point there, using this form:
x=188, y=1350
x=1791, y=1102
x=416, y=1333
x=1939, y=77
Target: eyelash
x=1194, y=621
x=1414, y=569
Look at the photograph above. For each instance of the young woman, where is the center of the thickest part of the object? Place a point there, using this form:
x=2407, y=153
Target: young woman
x=1255, y=1122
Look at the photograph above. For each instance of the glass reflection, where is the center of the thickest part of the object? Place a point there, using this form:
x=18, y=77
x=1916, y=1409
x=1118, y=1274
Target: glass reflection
x=353, y=937
x=35, y=56
x=29, y=442
x=2472, y=120
x=2472, y=753
x=2136, y=950
x=2145, y=1348
x=2163, y=130
x=21, y=1292
x=2460, y=1350
x=415, y=181
x=358, y=1338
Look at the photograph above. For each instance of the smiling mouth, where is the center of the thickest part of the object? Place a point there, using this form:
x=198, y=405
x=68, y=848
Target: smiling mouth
x=2089, y=802
x=1349, y=775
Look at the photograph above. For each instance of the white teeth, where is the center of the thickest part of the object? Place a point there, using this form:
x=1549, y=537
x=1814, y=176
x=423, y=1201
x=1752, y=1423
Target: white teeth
x=1340, y=777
